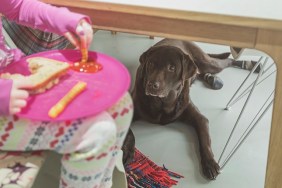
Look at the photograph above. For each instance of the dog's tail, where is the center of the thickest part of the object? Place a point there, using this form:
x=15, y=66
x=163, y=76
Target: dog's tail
x=220, y=56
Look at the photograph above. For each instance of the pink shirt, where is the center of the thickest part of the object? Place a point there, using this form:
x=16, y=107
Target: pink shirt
x=37, y=15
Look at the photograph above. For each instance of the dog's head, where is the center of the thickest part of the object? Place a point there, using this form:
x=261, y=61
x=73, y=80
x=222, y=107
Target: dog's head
x=165, y=69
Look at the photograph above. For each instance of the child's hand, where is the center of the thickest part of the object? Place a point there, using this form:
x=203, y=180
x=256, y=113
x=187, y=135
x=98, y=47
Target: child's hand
x=18, y=95
x=83, y=36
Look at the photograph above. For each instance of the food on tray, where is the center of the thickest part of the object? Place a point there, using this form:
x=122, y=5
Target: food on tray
x=84, y=55
x=89, y=67
x=59, y=107
x=45, y=73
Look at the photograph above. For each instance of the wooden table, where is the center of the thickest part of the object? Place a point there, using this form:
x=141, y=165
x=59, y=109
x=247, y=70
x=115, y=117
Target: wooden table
x=253, y=24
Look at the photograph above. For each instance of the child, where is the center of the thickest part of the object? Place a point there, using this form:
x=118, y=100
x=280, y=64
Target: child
x=89, y=145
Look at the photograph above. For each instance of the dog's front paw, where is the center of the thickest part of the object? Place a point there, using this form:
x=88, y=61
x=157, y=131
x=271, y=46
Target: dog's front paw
x=128, y=156
x=210, y=168
x=128, y=148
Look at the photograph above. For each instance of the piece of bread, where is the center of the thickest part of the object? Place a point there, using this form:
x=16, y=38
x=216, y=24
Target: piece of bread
x=45, y=73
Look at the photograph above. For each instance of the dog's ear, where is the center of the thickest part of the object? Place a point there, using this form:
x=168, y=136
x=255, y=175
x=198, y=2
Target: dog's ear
x=189, y=67
x=144, y=57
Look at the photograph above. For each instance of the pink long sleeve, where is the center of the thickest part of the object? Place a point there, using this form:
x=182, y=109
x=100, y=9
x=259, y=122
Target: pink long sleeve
x=5, y=96
x=41, y=16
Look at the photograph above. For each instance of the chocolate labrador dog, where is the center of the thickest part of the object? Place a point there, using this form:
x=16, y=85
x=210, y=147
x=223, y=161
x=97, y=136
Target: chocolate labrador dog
x=161, y=92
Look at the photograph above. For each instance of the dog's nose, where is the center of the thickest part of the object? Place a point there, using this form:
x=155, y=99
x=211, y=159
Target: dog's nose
x=154, y=85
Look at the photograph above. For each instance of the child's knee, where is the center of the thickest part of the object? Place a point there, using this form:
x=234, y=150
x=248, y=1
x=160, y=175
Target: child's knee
x=101, y=135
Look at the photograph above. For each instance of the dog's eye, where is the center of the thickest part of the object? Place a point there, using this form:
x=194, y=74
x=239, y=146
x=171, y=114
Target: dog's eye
x=171, y=68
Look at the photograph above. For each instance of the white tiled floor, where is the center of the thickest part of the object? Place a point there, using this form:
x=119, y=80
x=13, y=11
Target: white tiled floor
x=175, y=145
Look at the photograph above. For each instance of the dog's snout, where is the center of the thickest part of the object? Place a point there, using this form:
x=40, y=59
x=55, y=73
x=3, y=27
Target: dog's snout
x=154, y=85
x=156, y=89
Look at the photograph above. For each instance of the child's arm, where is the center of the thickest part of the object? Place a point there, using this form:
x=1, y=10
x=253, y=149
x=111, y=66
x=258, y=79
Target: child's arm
x=42, y=16
x=6, y=86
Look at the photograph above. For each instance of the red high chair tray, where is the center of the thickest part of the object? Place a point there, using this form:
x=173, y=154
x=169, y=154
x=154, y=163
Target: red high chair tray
x=104, y=88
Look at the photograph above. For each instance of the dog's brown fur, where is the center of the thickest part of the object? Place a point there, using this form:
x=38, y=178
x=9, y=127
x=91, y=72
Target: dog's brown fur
x=161, y=92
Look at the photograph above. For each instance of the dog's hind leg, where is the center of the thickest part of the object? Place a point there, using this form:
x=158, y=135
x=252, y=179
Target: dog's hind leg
x=217, y=62
x=211, y=80
x=212, y=65
x=247, y=65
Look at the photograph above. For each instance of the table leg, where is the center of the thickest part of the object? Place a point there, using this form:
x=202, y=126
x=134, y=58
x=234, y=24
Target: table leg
x=271, y=43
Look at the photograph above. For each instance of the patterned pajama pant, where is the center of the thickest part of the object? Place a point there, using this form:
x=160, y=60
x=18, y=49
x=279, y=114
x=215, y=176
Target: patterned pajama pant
x=89, y=145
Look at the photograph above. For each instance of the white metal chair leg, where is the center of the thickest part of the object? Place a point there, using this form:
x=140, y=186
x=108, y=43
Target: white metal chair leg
x=254, y=68
x=247, y=90
x=249, y=129
x=244, y=107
